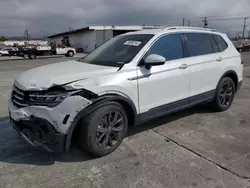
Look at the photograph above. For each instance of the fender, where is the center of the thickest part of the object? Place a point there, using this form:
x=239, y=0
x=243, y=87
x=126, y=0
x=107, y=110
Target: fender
x=96, y=104
x=230, y=72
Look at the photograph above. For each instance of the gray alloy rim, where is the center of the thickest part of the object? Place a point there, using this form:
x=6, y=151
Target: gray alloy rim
x=110, y=129
x=226, y=93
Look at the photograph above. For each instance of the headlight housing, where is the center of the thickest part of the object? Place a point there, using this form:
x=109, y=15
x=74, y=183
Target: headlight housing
x=50, y=98
x=54, y=97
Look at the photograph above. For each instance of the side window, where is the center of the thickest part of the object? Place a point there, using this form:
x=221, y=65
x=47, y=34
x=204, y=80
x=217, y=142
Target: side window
x=214, y=45
x=220, y=42
x=169, y=46
x=198, y=44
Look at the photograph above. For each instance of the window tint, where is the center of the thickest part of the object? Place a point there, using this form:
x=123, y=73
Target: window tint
x=220, y=42
x=169, y=46
x=214, y=45
x=199, y=44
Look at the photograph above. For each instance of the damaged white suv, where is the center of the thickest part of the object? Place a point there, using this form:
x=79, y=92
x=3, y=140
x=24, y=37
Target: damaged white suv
x=130, y=79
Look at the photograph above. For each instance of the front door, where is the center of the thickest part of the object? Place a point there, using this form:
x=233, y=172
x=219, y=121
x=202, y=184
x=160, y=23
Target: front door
x=164, y=88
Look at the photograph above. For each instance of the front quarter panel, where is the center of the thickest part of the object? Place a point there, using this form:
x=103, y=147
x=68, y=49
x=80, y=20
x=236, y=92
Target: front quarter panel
x=118, y=83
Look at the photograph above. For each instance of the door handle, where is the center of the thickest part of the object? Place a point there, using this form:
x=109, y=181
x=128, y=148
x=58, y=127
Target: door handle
x=183, y=66
x=219, y=59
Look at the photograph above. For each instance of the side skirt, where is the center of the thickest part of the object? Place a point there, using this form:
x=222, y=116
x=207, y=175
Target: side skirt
x=176, y=106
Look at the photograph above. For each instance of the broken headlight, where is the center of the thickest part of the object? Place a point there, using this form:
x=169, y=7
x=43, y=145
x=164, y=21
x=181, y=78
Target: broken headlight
x=50, y=98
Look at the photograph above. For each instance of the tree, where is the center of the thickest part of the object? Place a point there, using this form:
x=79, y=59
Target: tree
x=3, y=38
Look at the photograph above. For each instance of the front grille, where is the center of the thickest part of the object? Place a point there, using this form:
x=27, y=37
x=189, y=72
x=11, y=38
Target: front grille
x=19, y=97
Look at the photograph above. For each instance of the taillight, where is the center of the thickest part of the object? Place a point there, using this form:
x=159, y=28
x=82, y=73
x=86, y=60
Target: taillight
x=241, y=60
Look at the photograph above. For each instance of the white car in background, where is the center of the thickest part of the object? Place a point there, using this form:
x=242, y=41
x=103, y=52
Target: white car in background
x=128, y=80
x=5, y=51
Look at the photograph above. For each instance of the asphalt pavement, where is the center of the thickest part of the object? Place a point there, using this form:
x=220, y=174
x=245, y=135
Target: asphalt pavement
x=193, y=148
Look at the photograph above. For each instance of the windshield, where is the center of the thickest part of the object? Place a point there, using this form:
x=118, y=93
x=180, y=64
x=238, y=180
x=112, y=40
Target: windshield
x=118, y=50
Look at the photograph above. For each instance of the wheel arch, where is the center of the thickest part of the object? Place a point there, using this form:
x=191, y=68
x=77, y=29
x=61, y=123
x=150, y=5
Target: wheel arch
x=125, y=102
x=233, y=75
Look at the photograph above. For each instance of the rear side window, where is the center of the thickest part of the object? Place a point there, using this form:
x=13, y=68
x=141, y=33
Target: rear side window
x=199, y=44
x=220, y=42
x=214, y=45
x=169, y=46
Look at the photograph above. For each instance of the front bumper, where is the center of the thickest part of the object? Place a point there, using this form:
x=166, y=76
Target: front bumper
x=47, y=127
x=39, y=132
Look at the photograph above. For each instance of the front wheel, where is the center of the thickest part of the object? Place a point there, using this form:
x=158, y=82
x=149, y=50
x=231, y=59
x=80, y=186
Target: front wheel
x=1, y=54
x=104, y=129
x=224, y=94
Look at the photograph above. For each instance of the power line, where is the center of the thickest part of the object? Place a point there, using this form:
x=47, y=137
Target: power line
x=225, y=19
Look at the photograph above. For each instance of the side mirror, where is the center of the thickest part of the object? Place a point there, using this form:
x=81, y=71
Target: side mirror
x=154, y=60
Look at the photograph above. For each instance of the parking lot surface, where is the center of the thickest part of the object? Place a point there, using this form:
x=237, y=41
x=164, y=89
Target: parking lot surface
x=192, y=148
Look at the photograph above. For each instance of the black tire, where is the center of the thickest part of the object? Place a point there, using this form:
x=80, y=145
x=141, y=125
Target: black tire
x=70, y=54
x=25, y=56
x=32, y=56
x=1, y=54
x=224, y=96
x=99, y=135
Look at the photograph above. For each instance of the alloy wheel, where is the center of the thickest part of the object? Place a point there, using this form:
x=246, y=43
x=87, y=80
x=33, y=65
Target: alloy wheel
x=226, y=94
x=110, y=130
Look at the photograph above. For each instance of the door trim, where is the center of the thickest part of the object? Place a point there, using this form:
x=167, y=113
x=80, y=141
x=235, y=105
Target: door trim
x=177, y=106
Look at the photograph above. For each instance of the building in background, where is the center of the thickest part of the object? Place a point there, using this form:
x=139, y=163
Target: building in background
x=89, y=38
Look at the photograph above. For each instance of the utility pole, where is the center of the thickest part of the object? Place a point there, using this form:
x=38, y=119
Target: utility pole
x=249, y=34
x=188, y=23
x=205, y=22
x=26, y=34
x=228, y=32
x=244, y=27
x=183, y=21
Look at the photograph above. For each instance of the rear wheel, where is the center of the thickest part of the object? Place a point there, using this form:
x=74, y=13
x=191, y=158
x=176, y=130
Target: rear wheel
x=224, y=94
x=70, y=54
x=32, y=56
x=104, y=129
x=1, y=54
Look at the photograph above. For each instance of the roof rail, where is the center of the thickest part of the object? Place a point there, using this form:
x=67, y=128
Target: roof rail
x=193, y=28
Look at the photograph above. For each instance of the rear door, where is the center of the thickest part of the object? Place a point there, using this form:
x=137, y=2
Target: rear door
x=205, y=62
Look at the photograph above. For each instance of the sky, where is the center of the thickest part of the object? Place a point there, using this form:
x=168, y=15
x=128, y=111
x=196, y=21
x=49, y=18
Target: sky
x=47, y=17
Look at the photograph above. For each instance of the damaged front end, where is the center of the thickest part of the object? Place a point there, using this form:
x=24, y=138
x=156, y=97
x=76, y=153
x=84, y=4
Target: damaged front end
x=43, y=118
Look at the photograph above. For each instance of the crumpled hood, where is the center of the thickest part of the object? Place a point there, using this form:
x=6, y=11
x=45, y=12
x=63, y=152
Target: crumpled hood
x=60, y=73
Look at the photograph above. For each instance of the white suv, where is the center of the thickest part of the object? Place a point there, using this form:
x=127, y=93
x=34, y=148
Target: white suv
x=130, y=79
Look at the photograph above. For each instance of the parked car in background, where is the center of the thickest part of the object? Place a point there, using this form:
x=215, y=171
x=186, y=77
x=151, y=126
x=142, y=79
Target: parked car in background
x=32, y=51
x=5, y=51
x=130, y=79
x=242, y=46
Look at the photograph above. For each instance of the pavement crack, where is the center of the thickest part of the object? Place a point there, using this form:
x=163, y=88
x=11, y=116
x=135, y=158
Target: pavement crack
x=201, y=156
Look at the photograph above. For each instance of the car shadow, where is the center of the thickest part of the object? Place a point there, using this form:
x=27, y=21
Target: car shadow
x=199, y=109
x=14, y=150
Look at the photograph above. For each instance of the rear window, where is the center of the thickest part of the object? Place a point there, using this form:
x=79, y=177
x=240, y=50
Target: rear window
x=220, y=42
x=199, y=44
